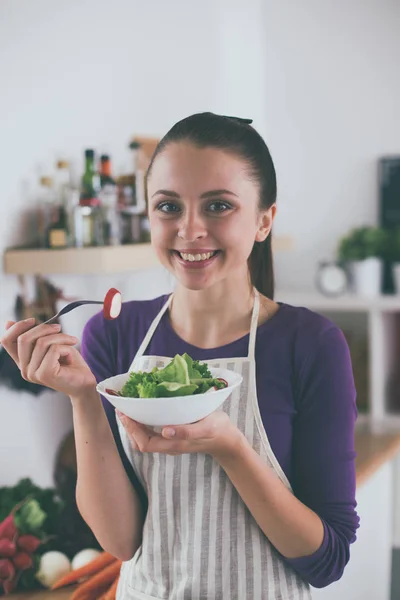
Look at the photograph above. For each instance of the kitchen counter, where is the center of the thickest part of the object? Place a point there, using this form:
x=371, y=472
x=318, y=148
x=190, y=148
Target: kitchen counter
x=373, y=451
x=63, y=594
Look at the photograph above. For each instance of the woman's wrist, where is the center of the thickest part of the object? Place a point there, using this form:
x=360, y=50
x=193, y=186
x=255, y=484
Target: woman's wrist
x=230, y=446
x=86, y=398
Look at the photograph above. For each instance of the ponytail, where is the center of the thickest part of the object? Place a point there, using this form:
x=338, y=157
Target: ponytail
x=261, y=267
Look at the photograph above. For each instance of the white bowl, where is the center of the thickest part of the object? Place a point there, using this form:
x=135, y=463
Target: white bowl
x=175, y=410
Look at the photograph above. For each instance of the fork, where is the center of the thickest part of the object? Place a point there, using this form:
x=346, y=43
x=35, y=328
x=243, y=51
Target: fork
x=72, y=306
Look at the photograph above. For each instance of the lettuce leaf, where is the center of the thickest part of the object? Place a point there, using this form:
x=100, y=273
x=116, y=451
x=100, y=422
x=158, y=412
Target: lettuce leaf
x=196, y=369
x=136, y=379
x=177, y=371
x=183, y=376
x=170, y=388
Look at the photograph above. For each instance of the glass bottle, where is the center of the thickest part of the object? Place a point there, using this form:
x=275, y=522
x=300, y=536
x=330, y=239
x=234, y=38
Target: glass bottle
x=66, y=193
x=90, y=185
x=57, y=232
x=88, y=214
x=108, y=196
x=62, y=182
x=47, y=209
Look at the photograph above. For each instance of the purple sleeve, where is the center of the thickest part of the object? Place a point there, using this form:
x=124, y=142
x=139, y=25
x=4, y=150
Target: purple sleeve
x=323, y=454
x=99, y=349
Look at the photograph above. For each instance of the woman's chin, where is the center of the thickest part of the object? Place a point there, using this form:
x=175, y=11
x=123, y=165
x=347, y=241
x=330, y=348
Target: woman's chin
x=191, y=284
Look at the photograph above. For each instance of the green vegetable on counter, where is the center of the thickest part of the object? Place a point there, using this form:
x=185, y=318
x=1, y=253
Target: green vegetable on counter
x=30, y=517
x=183, y=376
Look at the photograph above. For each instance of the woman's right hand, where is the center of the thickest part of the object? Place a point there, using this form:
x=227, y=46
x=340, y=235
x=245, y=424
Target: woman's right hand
x=48, y=357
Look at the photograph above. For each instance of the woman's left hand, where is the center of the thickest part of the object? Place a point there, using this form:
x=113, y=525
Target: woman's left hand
x=215, y=435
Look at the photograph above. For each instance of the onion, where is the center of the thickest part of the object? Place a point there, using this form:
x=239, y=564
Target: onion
x=83, y=557
x=112, y=304
x=53, y=565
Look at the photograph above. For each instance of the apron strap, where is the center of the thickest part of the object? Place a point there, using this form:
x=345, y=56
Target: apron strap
x=152, y=329
x=253, y=325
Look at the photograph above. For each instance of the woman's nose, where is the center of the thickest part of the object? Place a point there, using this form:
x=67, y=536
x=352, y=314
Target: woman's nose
x=192, y=227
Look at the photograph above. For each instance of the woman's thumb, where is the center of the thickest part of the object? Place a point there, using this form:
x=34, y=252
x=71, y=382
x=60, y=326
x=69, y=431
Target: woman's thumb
x=9, y=324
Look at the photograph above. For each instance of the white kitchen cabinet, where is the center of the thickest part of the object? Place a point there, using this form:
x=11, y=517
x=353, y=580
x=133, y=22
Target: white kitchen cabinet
x=368, y=573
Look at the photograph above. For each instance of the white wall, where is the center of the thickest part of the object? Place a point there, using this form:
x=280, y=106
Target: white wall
x=319, y=79
x=87, y=73
x=333, y=95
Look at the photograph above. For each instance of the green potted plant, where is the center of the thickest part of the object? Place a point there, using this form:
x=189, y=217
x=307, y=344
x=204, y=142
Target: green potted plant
x=363, y=250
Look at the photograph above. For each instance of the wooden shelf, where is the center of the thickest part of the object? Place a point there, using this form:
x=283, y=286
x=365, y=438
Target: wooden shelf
x=97, y=260
x=80, y=261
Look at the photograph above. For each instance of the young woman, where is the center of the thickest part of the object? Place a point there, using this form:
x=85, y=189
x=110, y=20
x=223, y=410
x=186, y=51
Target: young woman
x=257, y=500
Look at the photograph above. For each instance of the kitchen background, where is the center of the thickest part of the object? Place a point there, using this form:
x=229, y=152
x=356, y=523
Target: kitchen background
x=321, y=82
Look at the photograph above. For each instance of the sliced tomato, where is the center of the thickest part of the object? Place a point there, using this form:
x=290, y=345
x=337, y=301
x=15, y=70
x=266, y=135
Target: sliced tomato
x=112, y=392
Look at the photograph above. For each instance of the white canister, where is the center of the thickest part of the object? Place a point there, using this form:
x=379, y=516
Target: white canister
x=366, y=277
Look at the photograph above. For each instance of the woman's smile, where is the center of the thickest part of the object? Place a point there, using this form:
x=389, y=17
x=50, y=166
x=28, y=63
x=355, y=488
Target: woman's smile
x=195, y=259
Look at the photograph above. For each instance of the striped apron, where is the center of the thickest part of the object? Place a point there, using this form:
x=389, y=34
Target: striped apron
x=199, y=539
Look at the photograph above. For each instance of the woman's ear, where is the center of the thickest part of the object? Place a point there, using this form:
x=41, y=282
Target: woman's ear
x=266, y=219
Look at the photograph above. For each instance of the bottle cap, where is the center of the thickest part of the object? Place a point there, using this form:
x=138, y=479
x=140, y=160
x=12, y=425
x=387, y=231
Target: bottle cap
x=89, y=153
x=62, y=164
x=46, y=181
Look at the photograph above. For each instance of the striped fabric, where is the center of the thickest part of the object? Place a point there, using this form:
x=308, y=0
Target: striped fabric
x=200, y=541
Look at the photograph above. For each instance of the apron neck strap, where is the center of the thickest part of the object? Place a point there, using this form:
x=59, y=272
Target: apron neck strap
x=152, y=329
x=253, y=327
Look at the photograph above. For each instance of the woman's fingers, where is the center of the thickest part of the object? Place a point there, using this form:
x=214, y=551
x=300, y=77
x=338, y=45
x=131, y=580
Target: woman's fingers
x=27, y=341
x=56, y=357
x=145, y=439
x=41, y=348
x=9, y=341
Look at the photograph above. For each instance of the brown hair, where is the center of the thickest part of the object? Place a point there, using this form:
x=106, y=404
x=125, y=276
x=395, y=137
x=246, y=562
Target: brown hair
x=238, y=137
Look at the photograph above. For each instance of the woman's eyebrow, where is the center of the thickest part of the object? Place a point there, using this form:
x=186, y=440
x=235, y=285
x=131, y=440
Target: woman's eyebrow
x=166, y=193
x=211, y=193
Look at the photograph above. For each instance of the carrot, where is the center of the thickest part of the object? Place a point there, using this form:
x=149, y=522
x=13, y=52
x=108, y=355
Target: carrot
x=111, y=592
x=94, y=566
x=98, y=582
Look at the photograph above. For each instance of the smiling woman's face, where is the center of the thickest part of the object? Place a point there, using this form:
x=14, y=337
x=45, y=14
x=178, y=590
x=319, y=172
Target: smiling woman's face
x=204, y=215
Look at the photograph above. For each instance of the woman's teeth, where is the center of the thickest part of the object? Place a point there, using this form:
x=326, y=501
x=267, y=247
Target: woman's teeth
x=196, y=257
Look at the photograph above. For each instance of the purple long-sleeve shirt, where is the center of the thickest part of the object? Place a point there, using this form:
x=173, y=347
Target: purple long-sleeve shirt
x=306, y=395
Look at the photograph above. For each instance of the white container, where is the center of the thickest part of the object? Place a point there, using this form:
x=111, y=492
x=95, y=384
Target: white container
x=176, y=410
x=396, y=277
x=366, y=277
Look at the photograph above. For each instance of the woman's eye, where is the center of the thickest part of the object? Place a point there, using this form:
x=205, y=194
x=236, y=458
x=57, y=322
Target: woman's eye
x=219, y=206
x=168, y=207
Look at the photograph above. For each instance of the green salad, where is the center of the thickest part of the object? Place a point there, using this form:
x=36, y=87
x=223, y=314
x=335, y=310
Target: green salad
x=183, y=376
